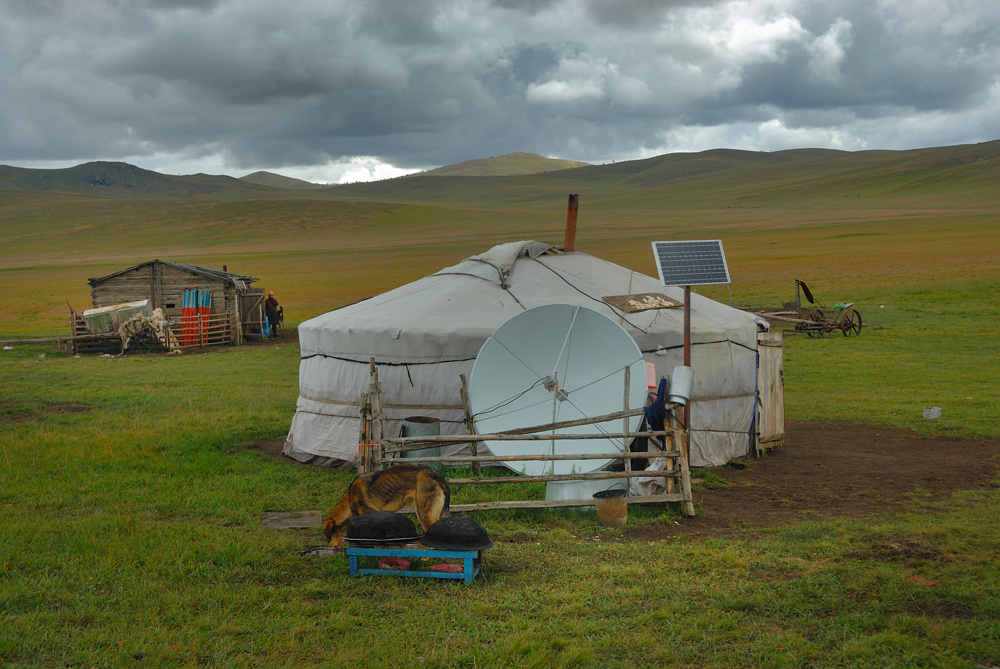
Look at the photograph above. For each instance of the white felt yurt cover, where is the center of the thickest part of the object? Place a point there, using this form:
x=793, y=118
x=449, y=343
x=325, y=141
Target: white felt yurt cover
x=424, y=334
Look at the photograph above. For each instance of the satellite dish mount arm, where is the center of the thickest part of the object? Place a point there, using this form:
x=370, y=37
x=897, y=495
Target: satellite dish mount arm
x=569, y=332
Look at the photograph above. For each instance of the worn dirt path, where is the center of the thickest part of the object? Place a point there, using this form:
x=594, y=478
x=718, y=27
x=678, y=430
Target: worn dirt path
x=840, y=470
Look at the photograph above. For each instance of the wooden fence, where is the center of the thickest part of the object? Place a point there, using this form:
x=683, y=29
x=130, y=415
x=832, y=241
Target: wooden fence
x=187, y=332
x=202, y=330
x=376, y=451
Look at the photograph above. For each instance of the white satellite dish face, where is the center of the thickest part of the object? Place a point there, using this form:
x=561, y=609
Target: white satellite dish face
x=586, y=354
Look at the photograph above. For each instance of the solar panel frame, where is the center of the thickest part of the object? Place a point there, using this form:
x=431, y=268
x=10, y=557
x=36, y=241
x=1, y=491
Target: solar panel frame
x=691, y=262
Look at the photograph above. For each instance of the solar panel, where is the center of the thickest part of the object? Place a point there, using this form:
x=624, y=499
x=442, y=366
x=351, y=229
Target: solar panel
x=691, y=263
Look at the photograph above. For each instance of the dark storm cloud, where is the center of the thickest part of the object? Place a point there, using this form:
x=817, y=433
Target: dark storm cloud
x=881, y=67
x=527, y=6
x=637, y=13
x=254, y=84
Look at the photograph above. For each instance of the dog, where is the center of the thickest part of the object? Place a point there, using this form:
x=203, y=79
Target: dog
x=390, y=490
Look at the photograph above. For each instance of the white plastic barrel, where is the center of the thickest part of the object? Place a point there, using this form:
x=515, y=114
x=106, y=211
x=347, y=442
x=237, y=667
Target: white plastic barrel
x=681, y=381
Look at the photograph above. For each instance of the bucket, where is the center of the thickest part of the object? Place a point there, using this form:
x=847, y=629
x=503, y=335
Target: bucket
x=423, y=426
x=612, y=509
x=681, y=381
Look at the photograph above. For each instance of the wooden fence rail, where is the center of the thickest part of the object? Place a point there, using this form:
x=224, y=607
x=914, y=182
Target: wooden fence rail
x=410, y=443
x=590, y=476
x=460, y=459
x=376, y=451
x=203, y=330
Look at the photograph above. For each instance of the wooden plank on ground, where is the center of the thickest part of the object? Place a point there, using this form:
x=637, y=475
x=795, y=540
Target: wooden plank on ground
x=324, y=551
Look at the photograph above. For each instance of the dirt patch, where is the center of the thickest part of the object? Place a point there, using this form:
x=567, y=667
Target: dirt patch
x=273, y=448
x=47, y=409
x=835, y=470
x=899, y=551
x=941, y=609
x=284, y=336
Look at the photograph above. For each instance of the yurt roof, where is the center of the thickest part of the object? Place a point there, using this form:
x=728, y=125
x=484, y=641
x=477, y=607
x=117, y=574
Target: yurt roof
x=449, y=314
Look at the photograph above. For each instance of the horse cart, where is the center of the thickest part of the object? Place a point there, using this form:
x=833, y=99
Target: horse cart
x=817, y=320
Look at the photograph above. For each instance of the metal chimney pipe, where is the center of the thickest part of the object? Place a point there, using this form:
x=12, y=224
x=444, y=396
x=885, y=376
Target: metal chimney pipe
x=574, y=204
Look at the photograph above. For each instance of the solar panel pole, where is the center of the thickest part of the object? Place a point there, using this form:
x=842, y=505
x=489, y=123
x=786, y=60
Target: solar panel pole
x=687, y=350
x=687, y=326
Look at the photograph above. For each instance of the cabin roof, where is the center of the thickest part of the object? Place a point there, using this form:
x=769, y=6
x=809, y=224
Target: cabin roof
x=208, y=272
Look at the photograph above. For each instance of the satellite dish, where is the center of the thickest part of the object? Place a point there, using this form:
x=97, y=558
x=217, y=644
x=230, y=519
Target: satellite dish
x=551, y=363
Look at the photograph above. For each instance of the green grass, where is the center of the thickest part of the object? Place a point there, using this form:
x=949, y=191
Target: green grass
x=135, y=526
x=928, y=346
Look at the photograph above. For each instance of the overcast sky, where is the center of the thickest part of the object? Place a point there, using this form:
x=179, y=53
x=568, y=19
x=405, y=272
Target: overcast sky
x=334, y=91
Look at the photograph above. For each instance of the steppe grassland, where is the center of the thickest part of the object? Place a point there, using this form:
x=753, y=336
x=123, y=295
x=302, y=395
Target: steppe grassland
x=135, y=526
x=320, y=254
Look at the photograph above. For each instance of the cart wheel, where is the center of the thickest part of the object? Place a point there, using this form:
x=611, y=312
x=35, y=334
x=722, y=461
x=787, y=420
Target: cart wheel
x=815, y=333
x=852, y=324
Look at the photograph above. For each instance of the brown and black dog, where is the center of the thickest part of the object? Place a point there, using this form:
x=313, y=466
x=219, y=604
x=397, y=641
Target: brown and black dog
x=390, y=490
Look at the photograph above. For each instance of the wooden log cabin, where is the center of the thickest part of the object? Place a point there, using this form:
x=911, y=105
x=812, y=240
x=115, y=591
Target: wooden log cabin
x=236, y=307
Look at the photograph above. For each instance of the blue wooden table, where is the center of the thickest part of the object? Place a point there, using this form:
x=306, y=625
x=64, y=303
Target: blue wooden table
x=471, y=561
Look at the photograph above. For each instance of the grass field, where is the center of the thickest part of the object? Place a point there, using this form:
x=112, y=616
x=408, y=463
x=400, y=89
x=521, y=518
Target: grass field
x=131, y=523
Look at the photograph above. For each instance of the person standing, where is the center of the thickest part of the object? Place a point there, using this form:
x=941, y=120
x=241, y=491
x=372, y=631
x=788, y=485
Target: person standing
x=271, y=311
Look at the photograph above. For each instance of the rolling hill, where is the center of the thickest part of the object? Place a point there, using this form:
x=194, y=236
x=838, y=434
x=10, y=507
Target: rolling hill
x=121, y=180
x=510, y=164
x=709, y=179
x=720, y=177
x=279, y=181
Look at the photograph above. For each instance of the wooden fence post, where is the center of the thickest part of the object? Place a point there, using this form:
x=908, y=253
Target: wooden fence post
x=625, y=407
x=72, y=326
x=466, y=407
x=364, y=439
x=681, y=444
x=375, y=397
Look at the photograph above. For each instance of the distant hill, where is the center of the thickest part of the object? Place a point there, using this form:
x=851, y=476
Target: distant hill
x=715, y=178
x=278, y=181
x=503, y=166
x=718, y=178
x=121, y=180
